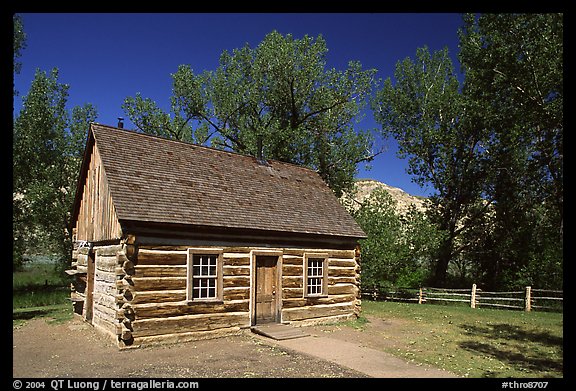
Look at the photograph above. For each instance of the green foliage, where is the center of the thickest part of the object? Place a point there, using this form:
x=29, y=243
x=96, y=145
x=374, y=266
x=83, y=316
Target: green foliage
x=47, y=148
x=492, y=148
x=424, y=113
x=514, y=77
x=399, y=248
x=280, y=91
x=19, y=43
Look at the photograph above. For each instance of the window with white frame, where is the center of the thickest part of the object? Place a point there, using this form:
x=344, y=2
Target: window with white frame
x=204, y=275
x=315, y=269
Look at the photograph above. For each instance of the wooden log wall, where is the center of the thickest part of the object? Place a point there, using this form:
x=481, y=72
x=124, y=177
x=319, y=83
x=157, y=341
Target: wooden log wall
x=140, y=292
x=342, y=300
x=158, y=297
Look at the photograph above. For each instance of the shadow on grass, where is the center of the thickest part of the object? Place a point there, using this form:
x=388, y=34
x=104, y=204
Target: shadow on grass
x=521, y=348
x=29, y=314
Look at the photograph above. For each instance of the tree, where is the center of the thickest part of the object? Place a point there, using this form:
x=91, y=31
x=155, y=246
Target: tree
x=399, y=247
x=47, y=148
x=513, y=65
x=492, y=148
x=19, y=44
x=279, y=92
x=427, y=115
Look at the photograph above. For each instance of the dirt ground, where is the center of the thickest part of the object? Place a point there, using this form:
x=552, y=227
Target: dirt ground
x=74, y=349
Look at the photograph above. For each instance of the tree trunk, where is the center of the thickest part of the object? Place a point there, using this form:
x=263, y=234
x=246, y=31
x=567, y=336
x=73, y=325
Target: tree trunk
x=444, y=256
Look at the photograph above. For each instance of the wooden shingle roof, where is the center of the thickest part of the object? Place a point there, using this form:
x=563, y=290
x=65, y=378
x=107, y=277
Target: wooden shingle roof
x=152, y=179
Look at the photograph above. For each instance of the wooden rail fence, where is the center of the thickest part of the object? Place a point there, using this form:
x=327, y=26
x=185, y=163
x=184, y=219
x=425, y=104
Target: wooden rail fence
x=528, y=299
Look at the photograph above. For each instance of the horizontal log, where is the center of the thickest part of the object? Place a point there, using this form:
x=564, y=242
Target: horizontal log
x=240, y=260
x=83, y=251
x=342, y=280
x=340, y=289
x=292, y=293
x=109, y=327
x=292, y=270
x=341, y=272
x=316, y=311
x=82, y=269
x=106, y=263
x=107, y=250
x=176, y=338
x=146, y=311
x=339, y=262
x=236, y=281
x=233, y=293
x=331, y=252
x=153, y=257
x=189, y=323
x=313, y=301
x=158, y=247
x=294, y=252
x=236, y=270
x=103, y=298
x=160, y=271
x=292, y=260
x=158, y=296
x=292, y=282
x=102, y=277
x=105, y=288
x=155, y=247
x=103, y=313
x=82, y=259
x=158, y=283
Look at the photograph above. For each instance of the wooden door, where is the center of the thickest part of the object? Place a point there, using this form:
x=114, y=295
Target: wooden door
x=90, y=287
x=266, y=289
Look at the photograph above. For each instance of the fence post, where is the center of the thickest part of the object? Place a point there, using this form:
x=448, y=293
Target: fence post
x=420, y=296
x=527, y=306
x=473, y=297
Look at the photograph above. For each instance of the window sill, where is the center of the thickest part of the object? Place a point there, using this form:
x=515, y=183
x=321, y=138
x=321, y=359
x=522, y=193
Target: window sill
x=315, y=296
x=204, y=301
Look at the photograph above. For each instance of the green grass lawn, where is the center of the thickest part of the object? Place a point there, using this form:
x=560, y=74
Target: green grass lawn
x=38, y=290
x=478, y=342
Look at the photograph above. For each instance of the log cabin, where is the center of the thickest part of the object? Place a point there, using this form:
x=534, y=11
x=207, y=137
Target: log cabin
x=175, y=242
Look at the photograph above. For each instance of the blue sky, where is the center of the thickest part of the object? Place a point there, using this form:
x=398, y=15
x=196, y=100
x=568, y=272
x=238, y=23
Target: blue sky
x=107, y=57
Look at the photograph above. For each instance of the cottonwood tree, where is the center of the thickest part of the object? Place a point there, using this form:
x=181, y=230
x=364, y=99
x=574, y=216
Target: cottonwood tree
x=47, y=148
x=513, y=66
x=281, y=92
x=19, y=44
x=425, y=112
x=492, y=147
x=400, y=246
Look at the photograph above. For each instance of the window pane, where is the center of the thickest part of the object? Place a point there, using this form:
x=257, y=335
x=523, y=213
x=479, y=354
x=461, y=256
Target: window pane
x=204, y=274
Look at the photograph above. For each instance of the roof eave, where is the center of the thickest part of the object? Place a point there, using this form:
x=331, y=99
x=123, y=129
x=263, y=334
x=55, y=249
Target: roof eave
x=168, y=229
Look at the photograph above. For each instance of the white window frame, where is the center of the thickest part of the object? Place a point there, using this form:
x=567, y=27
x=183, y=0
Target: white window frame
x=192, y=252
x=324, y=277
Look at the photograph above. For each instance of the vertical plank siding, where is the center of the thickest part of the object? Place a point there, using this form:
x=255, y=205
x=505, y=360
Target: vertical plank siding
x=97, y=218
